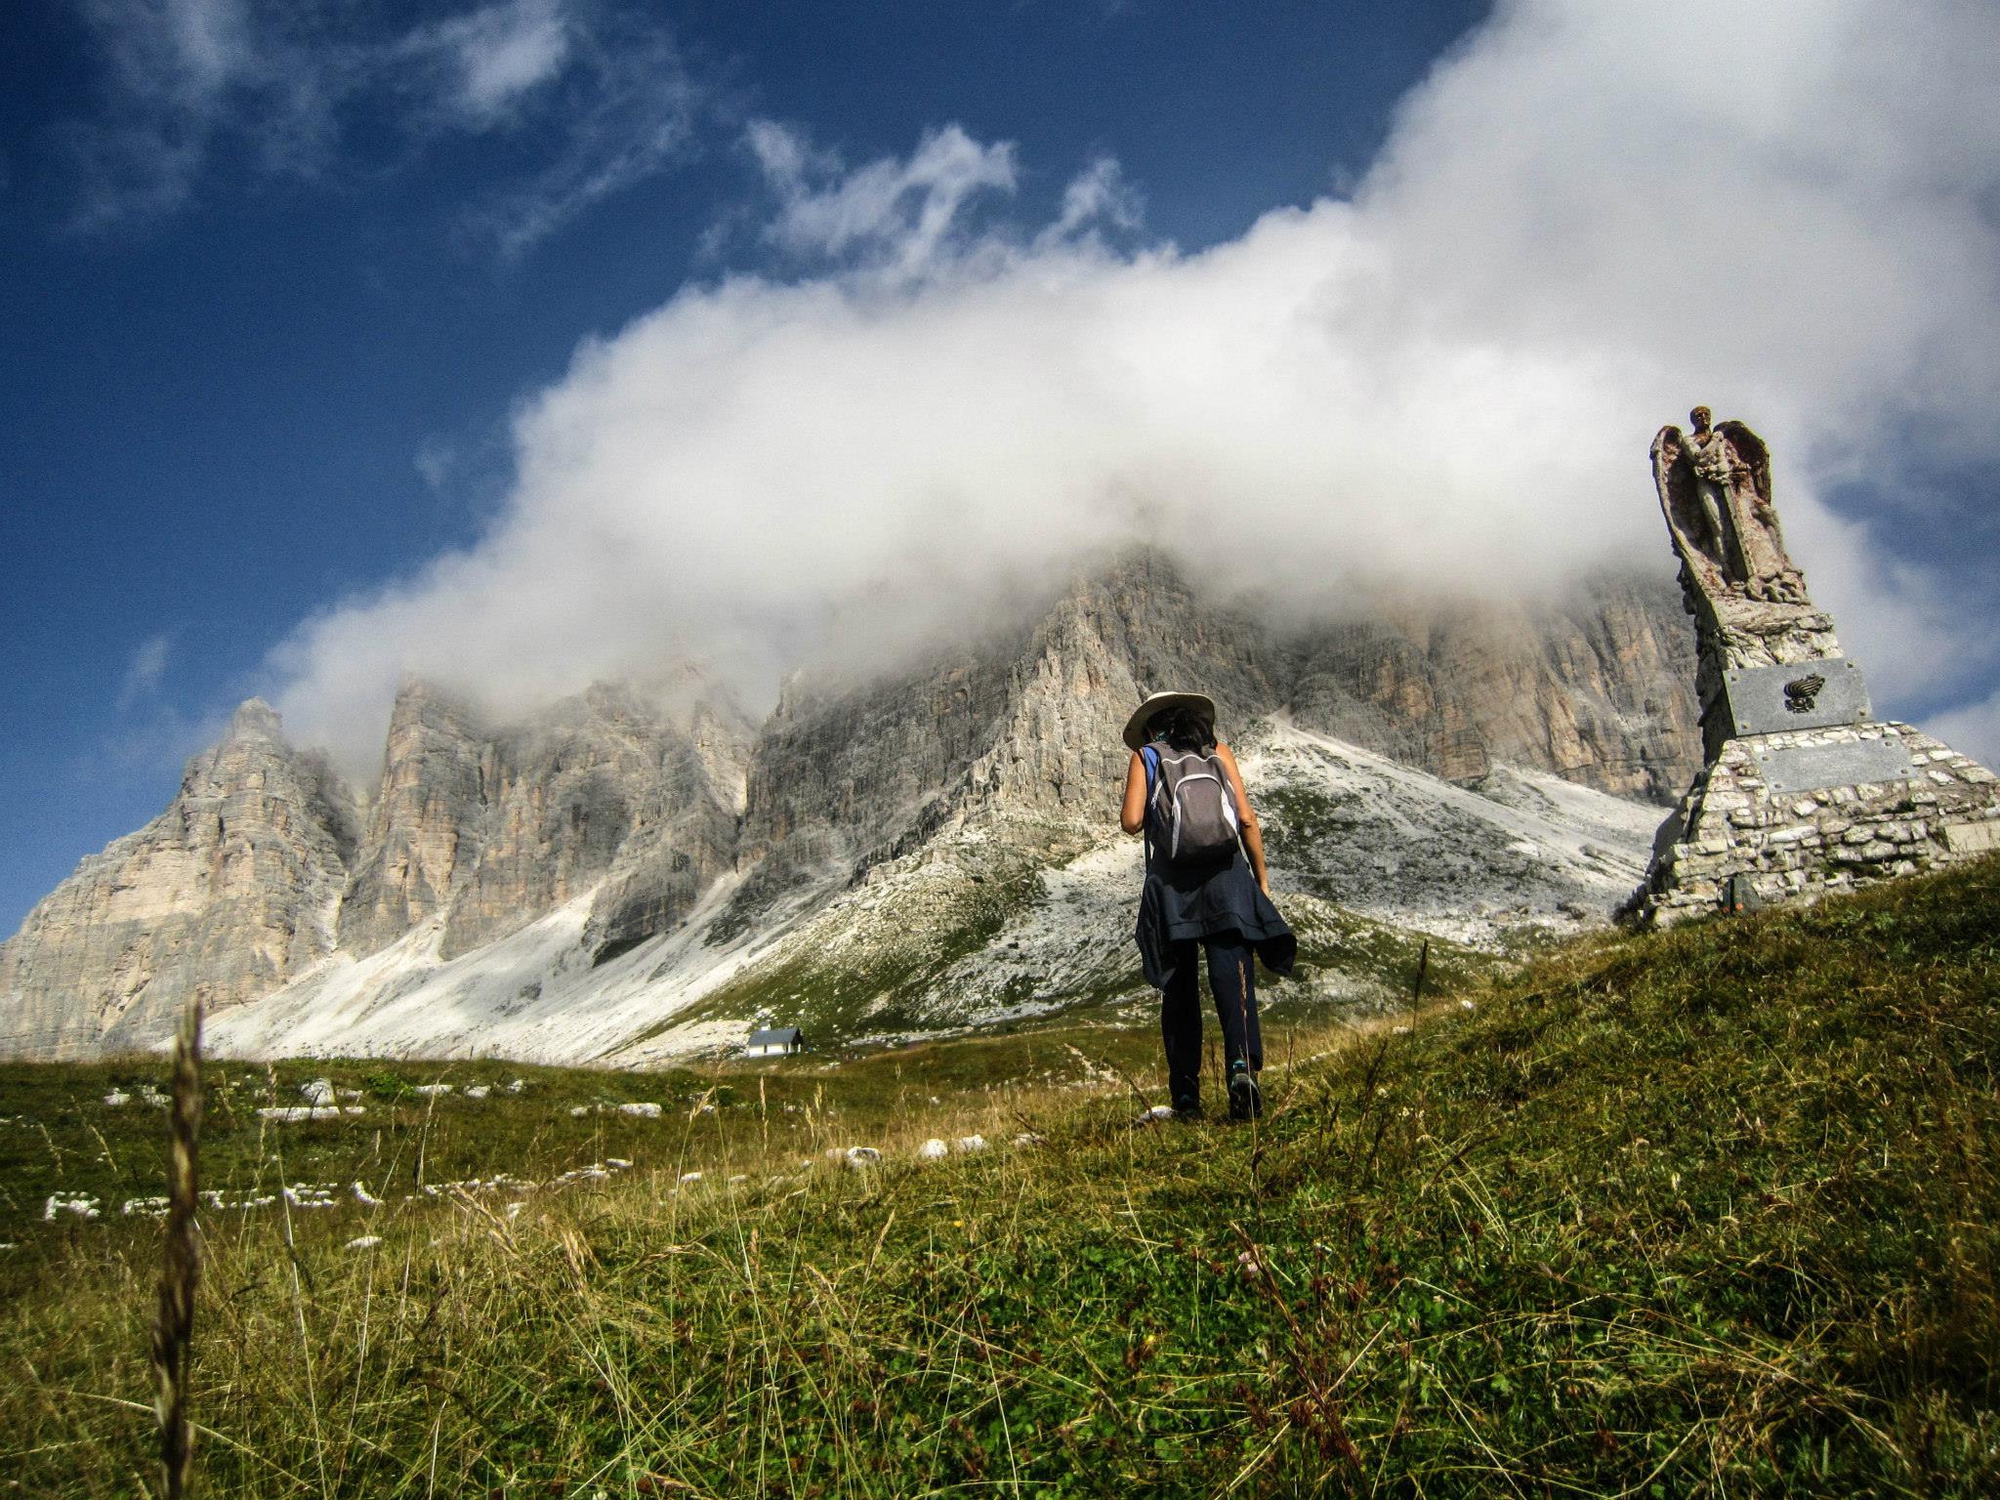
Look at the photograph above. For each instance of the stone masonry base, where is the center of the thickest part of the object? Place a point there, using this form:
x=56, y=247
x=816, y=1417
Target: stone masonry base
x=1807, y=843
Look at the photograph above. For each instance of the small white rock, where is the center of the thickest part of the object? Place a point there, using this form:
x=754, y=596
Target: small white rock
x=932, y=1150
x=365, y=1198
x=859, y=1157
x=640, y=1111
x=365, y=1242
x=117, y=1099
x=319, y=1091
x=577, y=1112
x=975, y=1142
x=286, y=1113
x=479, y=1091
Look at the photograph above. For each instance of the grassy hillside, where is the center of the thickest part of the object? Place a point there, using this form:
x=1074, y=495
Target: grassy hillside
x=1706, y=1212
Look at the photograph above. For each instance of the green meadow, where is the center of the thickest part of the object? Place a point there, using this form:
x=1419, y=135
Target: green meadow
x=1708, y=1212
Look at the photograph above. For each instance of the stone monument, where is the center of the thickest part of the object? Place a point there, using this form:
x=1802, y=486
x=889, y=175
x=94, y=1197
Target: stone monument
x=1803, y=790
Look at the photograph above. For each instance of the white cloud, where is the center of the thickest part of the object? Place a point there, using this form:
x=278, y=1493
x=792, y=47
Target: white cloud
x=1098, y=195
x=500, y=52
x=187, y=82
x=894, y=212
x=143, y=673
x=435, y=460
x=629, y=113
x=169, y=65
x=1587, y=219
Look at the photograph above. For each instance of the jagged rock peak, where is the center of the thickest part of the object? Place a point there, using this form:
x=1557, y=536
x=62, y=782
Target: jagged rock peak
x=227, y=894
x=255, y=719
x=422, y=705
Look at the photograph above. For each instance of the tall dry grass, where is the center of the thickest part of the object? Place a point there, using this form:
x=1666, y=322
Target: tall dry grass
x=180, y=1274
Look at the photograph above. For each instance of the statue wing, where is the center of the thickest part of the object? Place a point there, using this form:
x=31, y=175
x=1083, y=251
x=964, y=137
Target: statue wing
x=1755, y=454
x=1674, y=476
x=1700, y=551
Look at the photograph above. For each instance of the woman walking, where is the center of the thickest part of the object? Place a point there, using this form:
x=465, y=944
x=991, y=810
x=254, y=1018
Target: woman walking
x=1185, y=794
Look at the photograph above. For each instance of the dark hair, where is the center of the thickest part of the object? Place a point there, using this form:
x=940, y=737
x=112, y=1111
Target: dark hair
x=1183, y=728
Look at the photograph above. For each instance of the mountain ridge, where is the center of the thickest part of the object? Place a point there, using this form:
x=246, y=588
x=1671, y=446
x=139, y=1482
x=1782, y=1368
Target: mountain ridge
x=639, y=813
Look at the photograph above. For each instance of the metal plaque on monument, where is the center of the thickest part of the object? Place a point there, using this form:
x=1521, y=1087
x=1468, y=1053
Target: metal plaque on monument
x=1803, y=791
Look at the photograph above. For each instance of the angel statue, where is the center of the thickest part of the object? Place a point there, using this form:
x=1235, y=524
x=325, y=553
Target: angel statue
x=1715, y=486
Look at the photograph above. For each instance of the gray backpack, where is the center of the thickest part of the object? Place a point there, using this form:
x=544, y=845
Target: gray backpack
x=1193, y=810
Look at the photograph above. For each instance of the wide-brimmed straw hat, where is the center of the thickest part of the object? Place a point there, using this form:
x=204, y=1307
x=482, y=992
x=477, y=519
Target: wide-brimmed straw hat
x=1142, y=717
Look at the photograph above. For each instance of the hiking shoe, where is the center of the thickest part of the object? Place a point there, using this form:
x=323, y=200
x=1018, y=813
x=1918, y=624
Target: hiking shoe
x=1187, y=1107
x=1246, y=1100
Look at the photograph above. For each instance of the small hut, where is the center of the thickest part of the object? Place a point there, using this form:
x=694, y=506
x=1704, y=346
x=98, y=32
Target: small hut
x=779, y=1041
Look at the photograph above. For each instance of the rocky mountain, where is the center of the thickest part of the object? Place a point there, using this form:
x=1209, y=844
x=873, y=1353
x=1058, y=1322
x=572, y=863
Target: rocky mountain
x=866, y=846
x=1594, y=686
x=995, y=920
x=229, y=893
x=488, y=828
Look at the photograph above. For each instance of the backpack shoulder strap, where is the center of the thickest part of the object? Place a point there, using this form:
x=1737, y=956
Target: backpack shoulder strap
x=1151, y=758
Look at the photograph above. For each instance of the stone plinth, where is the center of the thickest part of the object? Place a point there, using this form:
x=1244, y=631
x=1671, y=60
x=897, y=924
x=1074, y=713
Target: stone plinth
x=1801, y=813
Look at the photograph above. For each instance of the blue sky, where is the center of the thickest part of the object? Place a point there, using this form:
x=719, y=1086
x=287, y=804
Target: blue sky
x=326, y=327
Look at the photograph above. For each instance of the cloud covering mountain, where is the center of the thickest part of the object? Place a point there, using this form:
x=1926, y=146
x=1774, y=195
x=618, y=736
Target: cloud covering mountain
x=1585, y=219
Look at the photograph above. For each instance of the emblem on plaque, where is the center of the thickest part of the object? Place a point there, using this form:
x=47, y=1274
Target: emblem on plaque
x=1800, y=693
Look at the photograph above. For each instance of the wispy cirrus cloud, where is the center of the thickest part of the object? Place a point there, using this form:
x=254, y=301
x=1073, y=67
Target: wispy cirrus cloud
x=144, y=672
x=494, y=57
x=894, y=209
x=903, y=217
x=628, y=108
x=592, y=97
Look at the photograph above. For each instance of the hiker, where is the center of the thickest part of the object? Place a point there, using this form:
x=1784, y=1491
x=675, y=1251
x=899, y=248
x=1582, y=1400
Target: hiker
x=1184, y=793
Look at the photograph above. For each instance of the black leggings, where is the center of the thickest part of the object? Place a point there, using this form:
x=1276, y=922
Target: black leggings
x=1233, y=982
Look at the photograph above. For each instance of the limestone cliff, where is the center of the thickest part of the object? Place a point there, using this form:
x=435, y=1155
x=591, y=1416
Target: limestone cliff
x=1592, y=687
x=425, y=822
x=684, y=805
x=227, y=894
x=490, y=827
x=1024, y=725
